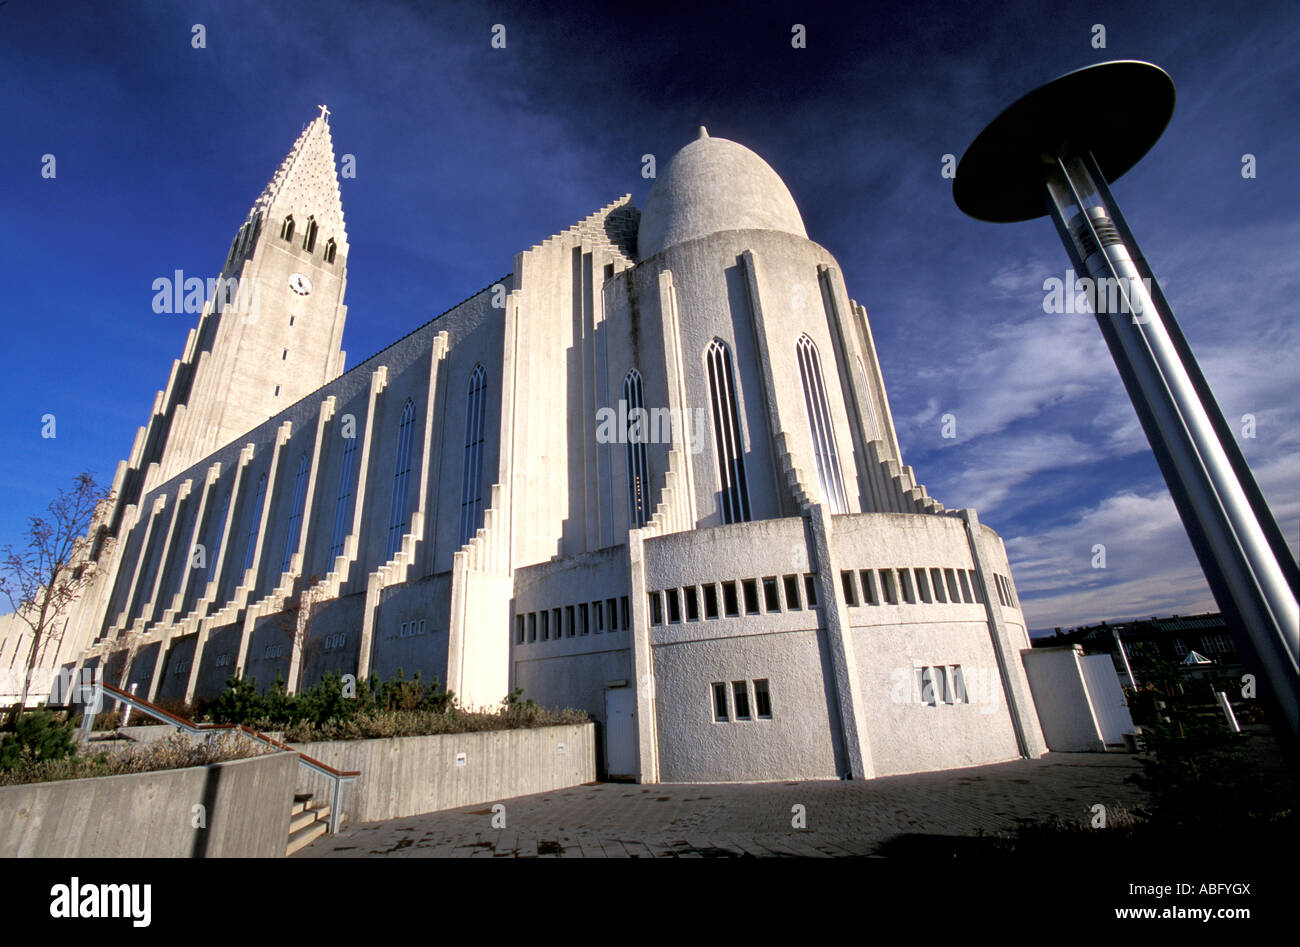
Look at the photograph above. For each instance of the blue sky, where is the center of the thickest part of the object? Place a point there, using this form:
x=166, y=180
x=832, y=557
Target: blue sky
x=467, y=154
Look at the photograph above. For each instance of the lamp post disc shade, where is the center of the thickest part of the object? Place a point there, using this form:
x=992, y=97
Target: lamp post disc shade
x=1117, y=110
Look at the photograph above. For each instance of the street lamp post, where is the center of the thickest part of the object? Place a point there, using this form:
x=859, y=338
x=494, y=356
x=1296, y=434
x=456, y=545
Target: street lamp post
x=1053, y=152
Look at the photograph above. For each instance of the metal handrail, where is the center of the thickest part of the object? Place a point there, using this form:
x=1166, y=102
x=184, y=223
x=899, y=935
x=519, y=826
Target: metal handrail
x=338, y=777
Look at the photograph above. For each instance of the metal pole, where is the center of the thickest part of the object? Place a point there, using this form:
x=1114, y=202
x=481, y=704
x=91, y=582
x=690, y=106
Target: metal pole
x=1240, y=562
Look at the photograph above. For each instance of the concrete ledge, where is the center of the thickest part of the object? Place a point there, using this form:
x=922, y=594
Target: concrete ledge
x=151, y=815
x=403, y=776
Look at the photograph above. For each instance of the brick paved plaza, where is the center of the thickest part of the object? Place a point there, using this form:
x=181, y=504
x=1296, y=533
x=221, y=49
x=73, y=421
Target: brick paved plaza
x=843, y=818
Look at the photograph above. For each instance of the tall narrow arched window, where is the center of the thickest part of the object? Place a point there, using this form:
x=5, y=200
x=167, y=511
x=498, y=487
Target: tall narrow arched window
x=638, y=479
x=254, y=521
x=309, y=235
x=286, y=228
x=819, y=423
x=726, y=433
x=330, y=248
x=401, y=478
x=342, y=506
x=471, y=492
x=296, y=505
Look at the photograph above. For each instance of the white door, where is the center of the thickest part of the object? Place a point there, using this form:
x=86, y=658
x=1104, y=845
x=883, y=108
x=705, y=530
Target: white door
x=1107, y=697
x=620, y=732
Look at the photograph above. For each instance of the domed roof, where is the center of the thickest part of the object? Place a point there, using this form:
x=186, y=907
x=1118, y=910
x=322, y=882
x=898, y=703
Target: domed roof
x=712, y=185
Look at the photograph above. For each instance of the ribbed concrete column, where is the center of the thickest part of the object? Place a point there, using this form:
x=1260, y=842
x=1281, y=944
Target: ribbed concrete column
x=647, y=723
x=839, y=643
x=1020, y=701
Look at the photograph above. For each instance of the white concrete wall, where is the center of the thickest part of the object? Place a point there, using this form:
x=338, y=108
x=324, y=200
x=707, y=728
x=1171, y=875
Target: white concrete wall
x=150, y=815
x=408, y=775
x=1061, y=697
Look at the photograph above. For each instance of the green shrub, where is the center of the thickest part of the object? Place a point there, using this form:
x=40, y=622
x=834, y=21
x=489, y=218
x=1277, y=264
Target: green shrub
x=41, y=734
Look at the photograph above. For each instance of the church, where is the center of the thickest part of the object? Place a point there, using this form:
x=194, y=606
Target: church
x=651, y=472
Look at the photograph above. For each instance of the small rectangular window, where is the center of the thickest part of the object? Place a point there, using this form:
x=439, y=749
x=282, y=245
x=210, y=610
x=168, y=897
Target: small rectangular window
x=905, y=583
x=740, y=691
x=936, y=581
x=569, y=623
x=850, y=588
x=584, y=619
x=965, y=587
x=771, y=594
x=925, y=677
x=945, y=692
x=887, y=587
x=692, y=596
x=868, y=587
x=532, y=626
x=959, y=685
x=751, y=596
x=555, y=623
x=710, y=601
x=519, y=627
x=656, y=609
x=762, y=700
x=730, y=604
x=611, y=606
x=625, y=612
x=810, y=589
x=720, y=702
x=598, y=609
x=922, y=586
x=792, y=593
x=546, y=624
x=674, y=606
x=954, y=595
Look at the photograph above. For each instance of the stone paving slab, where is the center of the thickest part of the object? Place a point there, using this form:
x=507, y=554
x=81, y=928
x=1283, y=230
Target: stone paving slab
x=739, y=820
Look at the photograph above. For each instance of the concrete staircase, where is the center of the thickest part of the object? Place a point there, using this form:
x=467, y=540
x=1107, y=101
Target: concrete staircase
x=306, y=822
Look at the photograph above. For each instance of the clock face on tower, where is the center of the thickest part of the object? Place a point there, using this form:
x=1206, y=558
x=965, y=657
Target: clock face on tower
x=300, y=284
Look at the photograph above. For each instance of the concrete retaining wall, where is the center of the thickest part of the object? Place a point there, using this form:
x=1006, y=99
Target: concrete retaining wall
x=1061, y=697
x=150, y=815
x=403, y=776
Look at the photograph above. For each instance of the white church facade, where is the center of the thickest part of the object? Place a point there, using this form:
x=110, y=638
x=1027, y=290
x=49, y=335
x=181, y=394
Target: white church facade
x=651, y=473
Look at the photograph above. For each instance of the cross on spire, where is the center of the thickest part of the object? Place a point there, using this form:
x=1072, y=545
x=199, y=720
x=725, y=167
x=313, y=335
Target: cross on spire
x=324, y=113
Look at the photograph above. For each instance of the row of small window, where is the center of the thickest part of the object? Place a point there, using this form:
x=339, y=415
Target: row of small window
x=738, y=708
x=335, y=641
x=223, y=660
x=694, y=602
x=1209, y=645
x=182, y=667
x=308, y=237
x=410, y=629
x=908, y=586
x=943, y=684
x=274, y=651
x=573, y=620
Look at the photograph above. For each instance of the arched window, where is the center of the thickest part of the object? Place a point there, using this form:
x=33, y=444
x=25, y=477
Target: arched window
x=286, y=228
x=638, y=479
x=309, y=235
x=254, y=521
x=471, y=492
x=330, y=248
x=726, y=433
x=401, y=478
x=819, y=423
x=295, y=511
x=341, y=507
